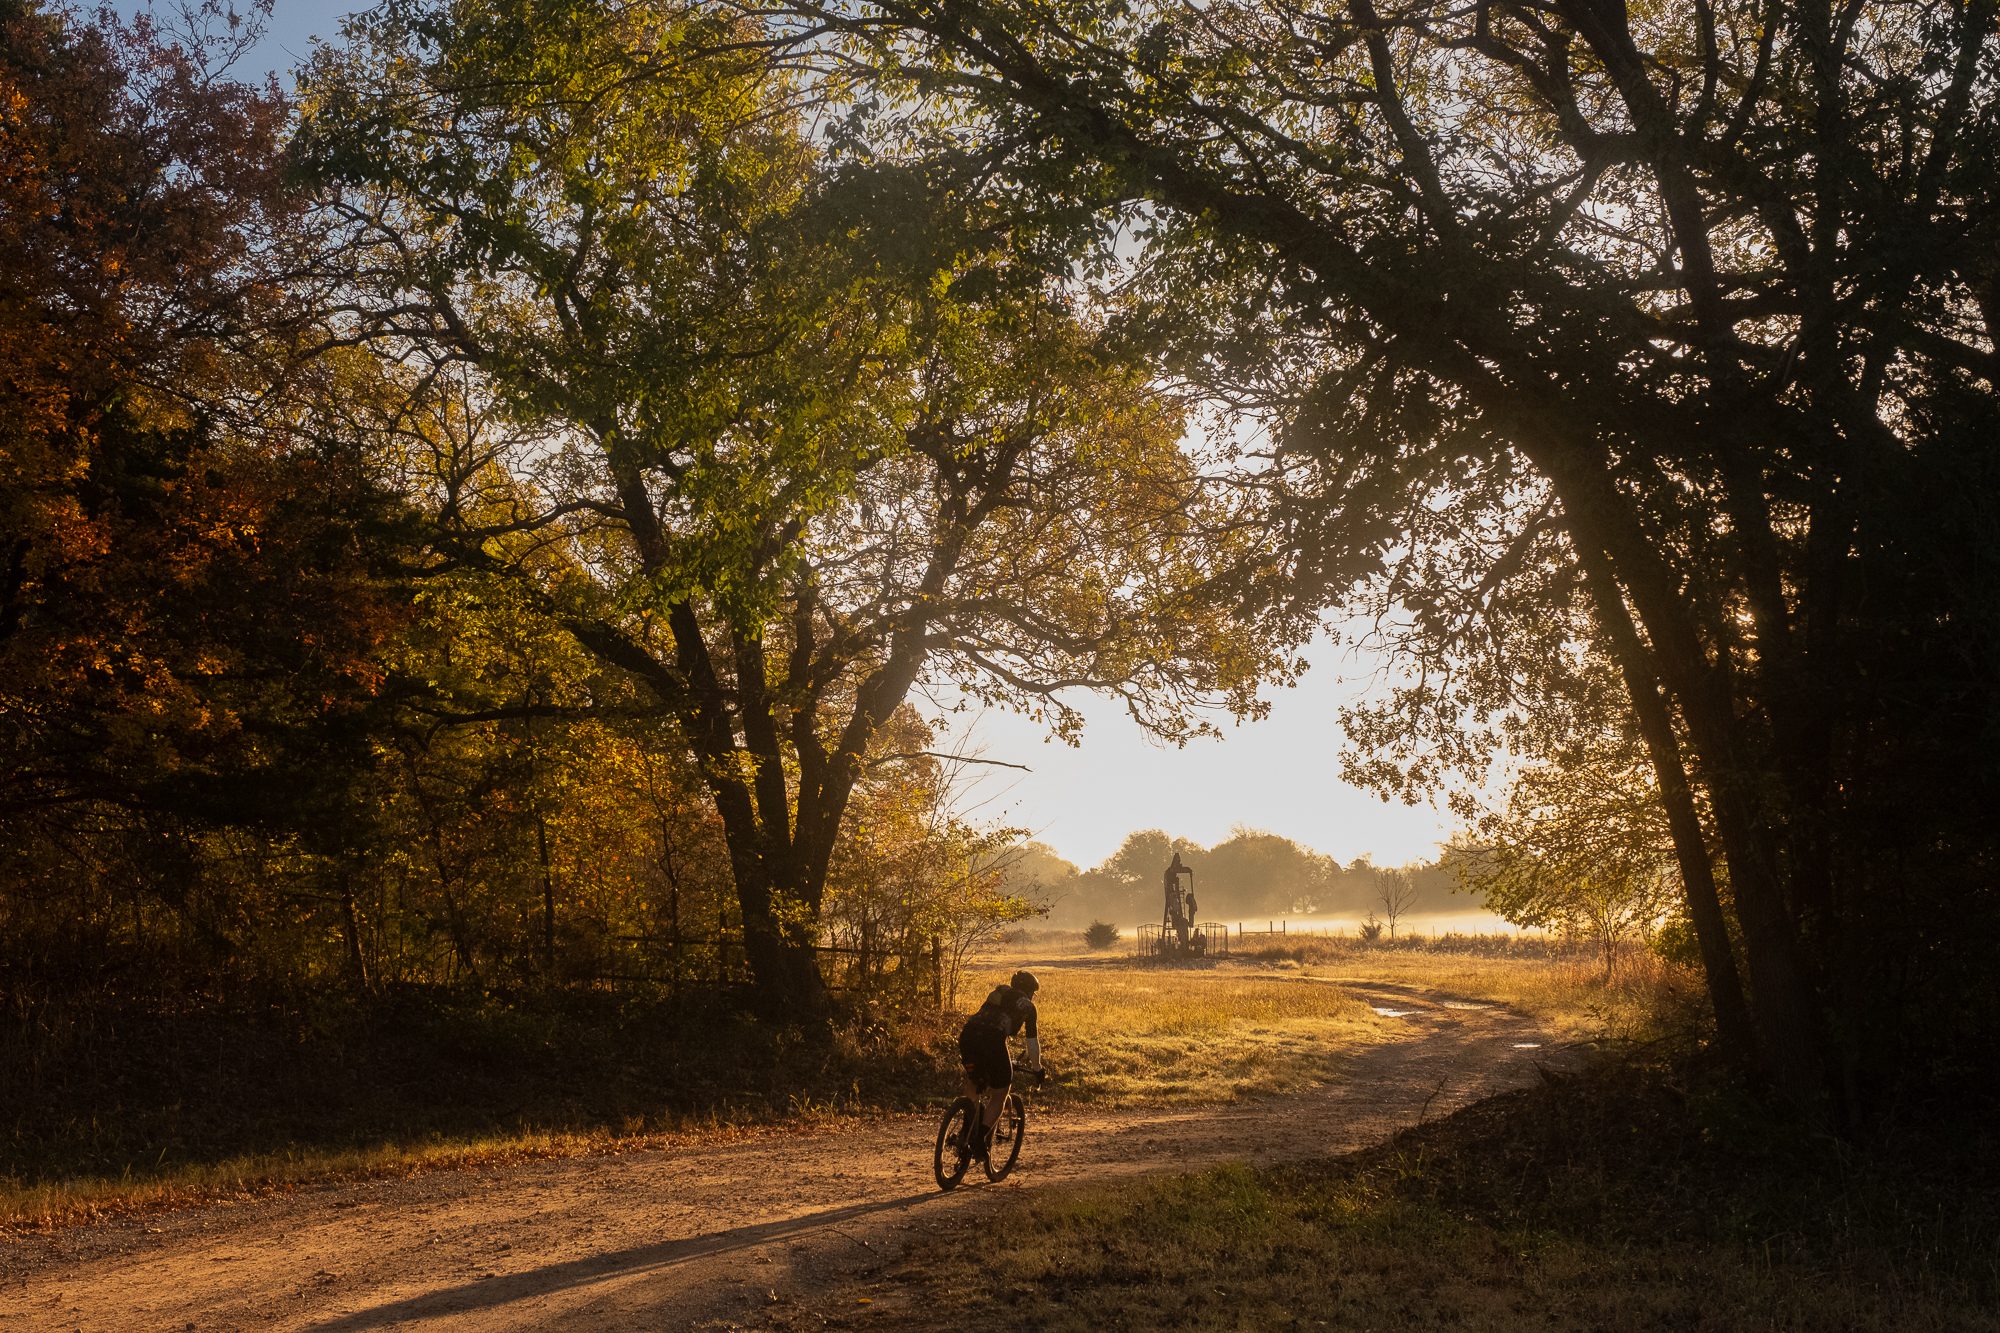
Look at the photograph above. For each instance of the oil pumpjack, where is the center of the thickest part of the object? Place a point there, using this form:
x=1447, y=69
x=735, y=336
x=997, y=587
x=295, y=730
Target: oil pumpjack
x=1178, y=936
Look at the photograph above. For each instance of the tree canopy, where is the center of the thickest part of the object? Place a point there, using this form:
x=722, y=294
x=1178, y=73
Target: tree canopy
x=812, y=433
x=1718, y=282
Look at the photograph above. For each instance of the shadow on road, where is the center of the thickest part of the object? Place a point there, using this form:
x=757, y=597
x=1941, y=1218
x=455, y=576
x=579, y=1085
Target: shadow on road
x=487, y=1293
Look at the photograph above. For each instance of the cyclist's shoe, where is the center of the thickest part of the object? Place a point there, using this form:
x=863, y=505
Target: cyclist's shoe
x=983, y=1143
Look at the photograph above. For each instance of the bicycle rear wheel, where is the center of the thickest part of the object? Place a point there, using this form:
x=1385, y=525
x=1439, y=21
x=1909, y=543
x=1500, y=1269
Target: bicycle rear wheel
x=1007, y=1136
x=953, y=1152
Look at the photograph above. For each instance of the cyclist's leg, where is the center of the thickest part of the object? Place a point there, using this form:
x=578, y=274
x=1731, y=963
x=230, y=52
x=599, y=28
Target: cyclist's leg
x=990, y=1106
x=971, y=1090
x=986, y=1065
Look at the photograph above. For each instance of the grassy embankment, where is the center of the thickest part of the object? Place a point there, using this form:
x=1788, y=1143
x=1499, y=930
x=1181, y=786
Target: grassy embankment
x=110, y=1110
x=1623, y=1198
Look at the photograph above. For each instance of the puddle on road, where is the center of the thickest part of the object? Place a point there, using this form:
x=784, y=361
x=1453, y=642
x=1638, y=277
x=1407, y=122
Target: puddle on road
x=1391, y=1013
x=1527, y=1046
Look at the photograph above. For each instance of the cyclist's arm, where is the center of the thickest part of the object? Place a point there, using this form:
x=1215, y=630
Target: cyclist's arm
x=1031, y=1056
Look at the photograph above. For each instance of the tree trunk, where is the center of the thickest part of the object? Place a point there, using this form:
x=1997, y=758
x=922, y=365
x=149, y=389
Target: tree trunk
x=350, y=929
x=548, y=898
x=1711, y=929
x=777, y=944
x=762, y=858
x=1784, y=1002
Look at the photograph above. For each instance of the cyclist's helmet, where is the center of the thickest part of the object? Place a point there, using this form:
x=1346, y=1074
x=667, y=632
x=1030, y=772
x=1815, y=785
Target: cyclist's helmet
x=1024, y=982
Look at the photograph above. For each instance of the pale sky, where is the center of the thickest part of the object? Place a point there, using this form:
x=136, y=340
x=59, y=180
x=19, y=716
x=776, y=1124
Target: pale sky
x=287, y=37
x=1279, y=775
x=294, y=23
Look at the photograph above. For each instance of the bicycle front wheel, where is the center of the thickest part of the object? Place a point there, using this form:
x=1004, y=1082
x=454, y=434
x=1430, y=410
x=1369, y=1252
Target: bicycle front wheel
x=953, y=1152
x=1007, y=1136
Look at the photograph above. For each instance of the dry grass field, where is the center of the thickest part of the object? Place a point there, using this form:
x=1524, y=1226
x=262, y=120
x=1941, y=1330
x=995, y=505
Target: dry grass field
x=1638, y=1194
x=1127, y=1036
x=1643, y=998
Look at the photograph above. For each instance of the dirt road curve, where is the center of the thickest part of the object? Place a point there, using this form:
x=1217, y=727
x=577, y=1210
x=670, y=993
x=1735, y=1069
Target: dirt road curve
x=746, y=1234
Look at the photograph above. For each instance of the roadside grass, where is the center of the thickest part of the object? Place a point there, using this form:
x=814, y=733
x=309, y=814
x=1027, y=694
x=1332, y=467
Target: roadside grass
x=1127, y=1036
x=47, y=1203
x=1616, y=1199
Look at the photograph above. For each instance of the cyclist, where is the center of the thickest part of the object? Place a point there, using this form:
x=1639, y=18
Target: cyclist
x=982, y=1043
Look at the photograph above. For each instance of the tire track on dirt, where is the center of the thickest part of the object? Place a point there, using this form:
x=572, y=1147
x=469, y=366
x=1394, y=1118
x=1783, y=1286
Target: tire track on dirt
x=727, y=1235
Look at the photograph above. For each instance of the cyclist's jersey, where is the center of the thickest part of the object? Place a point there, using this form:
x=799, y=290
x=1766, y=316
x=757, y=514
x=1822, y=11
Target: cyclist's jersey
x=1006, y=1010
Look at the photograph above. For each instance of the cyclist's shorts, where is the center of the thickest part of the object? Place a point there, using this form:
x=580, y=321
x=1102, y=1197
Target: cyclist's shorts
x=985, y=1053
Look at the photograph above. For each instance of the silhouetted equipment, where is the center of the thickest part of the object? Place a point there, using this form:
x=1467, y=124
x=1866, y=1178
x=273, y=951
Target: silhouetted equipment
x=1178, y=915
x=1179, y=935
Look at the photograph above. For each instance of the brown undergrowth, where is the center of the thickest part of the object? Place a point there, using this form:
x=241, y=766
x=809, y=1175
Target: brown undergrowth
x=121, y=1107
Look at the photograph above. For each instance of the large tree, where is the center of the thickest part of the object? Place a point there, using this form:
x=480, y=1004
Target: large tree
x=1721, y=278
x=815, y=435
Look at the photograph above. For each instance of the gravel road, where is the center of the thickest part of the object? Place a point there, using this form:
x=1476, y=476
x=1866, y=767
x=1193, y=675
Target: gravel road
x=748, y=1233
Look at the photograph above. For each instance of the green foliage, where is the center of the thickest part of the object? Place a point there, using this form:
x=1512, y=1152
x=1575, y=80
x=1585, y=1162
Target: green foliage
x=1581, y=847
x=1100, y=935
x=809, y=434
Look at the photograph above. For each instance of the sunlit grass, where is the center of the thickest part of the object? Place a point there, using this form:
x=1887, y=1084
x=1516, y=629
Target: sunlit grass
x=1643, y=997
x=1124, y=1036
x=55, y=1203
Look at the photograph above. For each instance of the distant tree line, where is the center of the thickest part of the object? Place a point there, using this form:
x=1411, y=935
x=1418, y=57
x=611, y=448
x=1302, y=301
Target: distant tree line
x=1249, y=875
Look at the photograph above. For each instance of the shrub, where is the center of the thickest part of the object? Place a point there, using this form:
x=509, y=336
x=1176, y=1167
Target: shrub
x=1371, y=930
x=1101, y=935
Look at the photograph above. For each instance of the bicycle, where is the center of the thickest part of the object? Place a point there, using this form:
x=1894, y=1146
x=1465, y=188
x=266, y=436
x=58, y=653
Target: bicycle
x=958, y=1140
